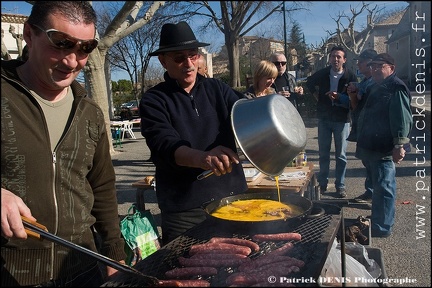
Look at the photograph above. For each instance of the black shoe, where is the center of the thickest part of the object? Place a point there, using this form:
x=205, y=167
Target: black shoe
x=364, y=198
x=341, y=192
x=323, y=189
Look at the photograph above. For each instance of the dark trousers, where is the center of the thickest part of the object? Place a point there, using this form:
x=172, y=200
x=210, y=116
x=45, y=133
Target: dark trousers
x=176, y=223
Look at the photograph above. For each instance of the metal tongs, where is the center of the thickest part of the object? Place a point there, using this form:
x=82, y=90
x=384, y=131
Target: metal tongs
x=36, y=230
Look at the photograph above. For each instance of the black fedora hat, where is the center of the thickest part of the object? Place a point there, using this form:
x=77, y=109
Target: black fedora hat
x=175, y=37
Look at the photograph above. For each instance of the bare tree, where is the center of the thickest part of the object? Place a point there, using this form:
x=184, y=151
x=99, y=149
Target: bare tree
x=127, y=21
x=236, y=19
x=345, y=27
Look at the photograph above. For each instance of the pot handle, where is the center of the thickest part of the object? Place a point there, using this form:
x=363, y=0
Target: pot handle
x=205, y=174
x=321, y=212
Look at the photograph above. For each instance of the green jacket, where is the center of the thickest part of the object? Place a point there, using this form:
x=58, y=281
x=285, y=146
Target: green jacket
x=70, y=190
x=385, y=119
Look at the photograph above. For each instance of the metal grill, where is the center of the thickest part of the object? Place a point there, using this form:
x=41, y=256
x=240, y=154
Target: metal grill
x=317, y=234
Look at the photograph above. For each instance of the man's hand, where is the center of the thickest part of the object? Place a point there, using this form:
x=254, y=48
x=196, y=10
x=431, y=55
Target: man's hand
x=398, y=154
x=12, y=207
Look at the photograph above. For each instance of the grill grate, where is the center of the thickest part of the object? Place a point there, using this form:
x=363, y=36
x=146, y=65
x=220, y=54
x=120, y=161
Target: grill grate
x=317, y=233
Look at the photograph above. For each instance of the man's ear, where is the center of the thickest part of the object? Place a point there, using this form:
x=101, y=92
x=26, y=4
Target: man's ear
x=162, y=60
x=27, y=34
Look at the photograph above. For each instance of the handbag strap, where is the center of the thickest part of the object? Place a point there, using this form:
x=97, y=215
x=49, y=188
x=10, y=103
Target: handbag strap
x=132, y=207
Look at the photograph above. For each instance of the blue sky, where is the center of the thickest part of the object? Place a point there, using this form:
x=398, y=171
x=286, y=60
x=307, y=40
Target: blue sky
x=314, y=23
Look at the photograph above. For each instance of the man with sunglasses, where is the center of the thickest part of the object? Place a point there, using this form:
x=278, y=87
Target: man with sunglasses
x=285, y=79
x=186, y=123
x=384, y=126
x=56, y=166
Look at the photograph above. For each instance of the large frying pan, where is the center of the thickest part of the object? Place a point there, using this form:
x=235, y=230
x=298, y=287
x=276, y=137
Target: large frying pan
x=260, y=226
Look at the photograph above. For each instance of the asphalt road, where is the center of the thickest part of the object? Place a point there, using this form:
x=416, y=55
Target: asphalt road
x=406, y=253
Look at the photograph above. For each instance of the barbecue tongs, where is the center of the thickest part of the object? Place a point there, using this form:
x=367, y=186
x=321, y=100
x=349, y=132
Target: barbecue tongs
x=36, y=230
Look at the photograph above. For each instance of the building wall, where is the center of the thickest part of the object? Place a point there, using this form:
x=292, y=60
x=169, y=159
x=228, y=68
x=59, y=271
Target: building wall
x=16, y=21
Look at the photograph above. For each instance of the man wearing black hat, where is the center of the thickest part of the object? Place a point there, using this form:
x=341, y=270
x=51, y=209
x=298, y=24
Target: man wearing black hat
x=186, y=123
x=384, y=125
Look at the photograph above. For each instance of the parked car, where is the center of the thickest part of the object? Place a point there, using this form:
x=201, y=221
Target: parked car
x=132, y=107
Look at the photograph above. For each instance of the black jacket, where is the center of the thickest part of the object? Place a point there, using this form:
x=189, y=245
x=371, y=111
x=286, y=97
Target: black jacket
x=325, y=109
x=170, y=118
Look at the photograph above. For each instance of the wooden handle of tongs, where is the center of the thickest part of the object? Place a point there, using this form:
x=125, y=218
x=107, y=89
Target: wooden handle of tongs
x=29, y=232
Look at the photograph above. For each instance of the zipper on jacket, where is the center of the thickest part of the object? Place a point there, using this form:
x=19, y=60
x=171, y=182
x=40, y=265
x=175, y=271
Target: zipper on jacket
x=54, y=161
x=194, y=104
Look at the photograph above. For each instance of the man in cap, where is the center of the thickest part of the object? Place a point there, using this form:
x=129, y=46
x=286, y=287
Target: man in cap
x=357, y=95
x=383, y=129
x=186, y=123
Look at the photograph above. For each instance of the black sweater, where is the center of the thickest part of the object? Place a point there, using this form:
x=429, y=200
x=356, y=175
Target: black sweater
x=170, y=118
x=325, y=110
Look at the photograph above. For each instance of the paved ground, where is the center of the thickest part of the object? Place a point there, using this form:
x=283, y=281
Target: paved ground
x=406, y=253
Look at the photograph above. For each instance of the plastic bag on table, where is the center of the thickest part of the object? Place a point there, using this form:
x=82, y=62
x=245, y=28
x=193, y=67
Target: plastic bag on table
x=356, y=273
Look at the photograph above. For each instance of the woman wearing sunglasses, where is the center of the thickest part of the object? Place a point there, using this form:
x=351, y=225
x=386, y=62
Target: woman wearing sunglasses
x=55, y=161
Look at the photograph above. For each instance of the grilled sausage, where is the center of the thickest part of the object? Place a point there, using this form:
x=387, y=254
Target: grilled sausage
x=183, y=283
x=281, y=250
x=186, y=272
x=228, y=248
x=218, y=256
x=263, y=260
x=237, y=241
x=277, y=237
x=209, y=262
x=248, y=278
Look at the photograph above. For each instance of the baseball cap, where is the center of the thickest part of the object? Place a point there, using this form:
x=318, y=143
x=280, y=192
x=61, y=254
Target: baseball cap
x=382, y=58
x=367, y=54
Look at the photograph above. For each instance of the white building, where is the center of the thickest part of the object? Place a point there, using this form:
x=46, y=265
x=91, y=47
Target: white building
x=12, y=26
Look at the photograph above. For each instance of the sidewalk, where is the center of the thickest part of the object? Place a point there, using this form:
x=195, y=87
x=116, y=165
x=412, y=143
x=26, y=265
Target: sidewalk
x=406, y=253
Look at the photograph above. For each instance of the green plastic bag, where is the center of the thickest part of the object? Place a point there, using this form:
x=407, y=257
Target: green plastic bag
x=141, y=235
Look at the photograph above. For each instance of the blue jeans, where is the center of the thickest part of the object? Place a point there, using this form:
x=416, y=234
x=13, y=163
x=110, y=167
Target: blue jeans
x=383, y=174
x=340, y=131
x=368, y=181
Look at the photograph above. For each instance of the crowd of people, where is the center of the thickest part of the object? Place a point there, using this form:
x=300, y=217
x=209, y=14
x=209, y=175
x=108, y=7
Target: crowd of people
x=57, y=168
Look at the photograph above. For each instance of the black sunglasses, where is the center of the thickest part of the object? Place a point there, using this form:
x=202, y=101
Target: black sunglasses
x=277, y=63
x=62, y=40
x=181, y=58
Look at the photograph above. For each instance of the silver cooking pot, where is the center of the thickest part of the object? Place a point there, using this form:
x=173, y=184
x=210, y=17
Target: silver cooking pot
x=270, y=132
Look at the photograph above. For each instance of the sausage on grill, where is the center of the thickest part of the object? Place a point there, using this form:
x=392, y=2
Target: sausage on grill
x=218, y=256
x=281, y=250
x=183, y=283
x=237, y=241
x=263, y=260
x=277, y=237
x=190, y=271
x=209, y=262
x=226, y=247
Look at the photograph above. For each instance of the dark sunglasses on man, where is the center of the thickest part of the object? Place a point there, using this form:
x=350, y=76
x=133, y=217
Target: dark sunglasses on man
x=62, y=40
x=180, y=58
x=277, y=63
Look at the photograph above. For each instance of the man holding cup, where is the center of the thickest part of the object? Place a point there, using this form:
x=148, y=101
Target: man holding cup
x=285, y=83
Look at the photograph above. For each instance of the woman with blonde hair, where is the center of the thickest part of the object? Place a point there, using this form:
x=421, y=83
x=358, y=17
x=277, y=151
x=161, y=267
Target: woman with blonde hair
x=264, y=76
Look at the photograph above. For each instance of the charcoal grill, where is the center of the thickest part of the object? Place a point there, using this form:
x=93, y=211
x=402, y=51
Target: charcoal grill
x=318, y=233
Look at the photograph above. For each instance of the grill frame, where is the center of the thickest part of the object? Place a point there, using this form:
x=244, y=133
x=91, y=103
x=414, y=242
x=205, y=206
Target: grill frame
x=318, y=233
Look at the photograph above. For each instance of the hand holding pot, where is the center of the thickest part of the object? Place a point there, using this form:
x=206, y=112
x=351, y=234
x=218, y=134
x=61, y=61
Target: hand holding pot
x=219, y=160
